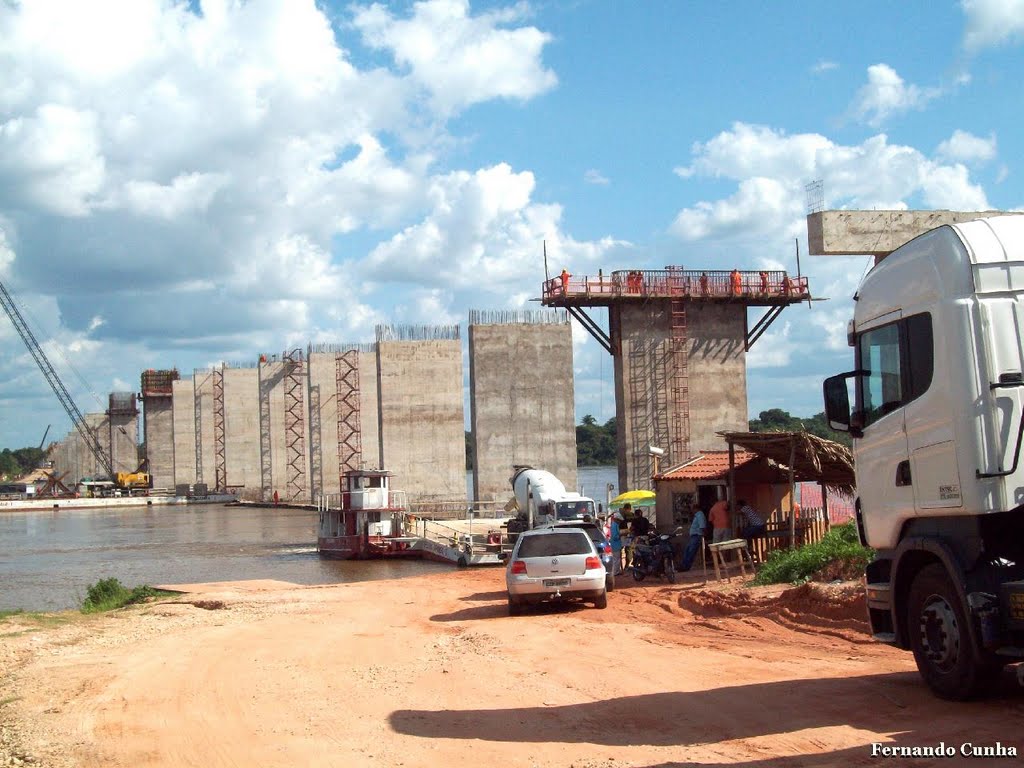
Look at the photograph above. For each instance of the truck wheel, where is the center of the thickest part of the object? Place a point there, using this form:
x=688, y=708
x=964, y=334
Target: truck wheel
x=940, y=636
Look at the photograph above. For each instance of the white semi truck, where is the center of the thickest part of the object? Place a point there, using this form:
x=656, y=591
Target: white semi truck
x=937, y=424
x=541, y=498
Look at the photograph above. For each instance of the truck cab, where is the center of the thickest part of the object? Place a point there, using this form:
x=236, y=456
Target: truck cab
x=937, y=420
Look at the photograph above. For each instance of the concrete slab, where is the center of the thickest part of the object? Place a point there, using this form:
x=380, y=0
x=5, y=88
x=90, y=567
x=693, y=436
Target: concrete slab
x=876, y=233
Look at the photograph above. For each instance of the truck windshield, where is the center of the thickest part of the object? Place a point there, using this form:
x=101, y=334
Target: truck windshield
x=574, y=510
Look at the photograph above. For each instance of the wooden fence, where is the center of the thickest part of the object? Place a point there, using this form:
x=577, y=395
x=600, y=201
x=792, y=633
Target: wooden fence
x=811, y=527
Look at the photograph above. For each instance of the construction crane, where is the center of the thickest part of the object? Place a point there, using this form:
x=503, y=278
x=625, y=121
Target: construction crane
x=54, y=381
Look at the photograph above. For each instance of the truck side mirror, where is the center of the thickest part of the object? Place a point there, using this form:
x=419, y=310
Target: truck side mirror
x=837, y=404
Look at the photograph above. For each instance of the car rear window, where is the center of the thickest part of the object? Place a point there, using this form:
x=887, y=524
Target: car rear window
x=555, y=544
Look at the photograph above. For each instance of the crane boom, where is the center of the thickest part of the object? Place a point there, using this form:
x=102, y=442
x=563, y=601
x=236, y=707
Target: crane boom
x=54, y=380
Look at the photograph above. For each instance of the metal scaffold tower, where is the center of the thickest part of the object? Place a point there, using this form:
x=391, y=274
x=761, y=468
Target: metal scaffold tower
x=219, y=456
x=294, y=425
x=198, y=405
x=316, y=468
x=679, y=384
x=350, y=450
x=266, y=384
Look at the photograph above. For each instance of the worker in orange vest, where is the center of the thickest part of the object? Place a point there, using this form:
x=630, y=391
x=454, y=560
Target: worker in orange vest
x=565, y=281
x=703, y=283
x=737, y=282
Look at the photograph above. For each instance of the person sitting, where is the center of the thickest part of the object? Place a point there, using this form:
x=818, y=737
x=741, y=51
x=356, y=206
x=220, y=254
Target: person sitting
x=753, y=524
x=640, y=525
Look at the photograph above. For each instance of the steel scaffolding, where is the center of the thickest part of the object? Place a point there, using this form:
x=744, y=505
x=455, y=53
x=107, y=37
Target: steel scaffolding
x=219, y=456
x=295, y=425
x=350, y=449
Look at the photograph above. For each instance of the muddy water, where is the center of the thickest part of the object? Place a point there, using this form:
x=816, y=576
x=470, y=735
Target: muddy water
x=48, y=559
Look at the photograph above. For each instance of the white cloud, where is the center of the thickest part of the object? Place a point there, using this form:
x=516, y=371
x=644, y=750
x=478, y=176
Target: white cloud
x=886, y=94
x=458, y=58
x=483, y=234
x=824, y=66
x=772, y=168
x=965, y=147
x=992, y=22
x=595, y=177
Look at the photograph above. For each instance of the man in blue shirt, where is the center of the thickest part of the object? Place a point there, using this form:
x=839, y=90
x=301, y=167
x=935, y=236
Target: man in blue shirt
x=700, y=522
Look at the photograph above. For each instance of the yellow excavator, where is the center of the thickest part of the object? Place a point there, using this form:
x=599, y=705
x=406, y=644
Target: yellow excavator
x=137, y=480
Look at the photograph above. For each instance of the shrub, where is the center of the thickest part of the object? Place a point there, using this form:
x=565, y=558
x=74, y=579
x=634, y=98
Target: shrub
x=110, y=594
x=839, y=552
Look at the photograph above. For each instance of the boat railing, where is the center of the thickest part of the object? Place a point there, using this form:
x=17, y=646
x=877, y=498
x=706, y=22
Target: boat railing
x=325, y=502
x=464, y=539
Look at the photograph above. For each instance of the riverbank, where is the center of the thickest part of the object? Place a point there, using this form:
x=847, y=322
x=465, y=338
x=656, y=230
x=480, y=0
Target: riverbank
x=431, y=670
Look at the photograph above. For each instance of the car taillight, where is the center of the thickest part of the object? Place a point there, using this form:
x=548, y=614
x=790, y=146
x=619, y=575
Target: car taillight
x=593, y=562
x=607, y=549
x=518, y=566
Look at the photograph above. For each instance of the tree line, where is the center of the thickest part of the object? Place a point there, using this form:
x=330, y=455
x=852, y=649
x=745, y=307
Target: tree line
x=595, y=443
x=21, y=461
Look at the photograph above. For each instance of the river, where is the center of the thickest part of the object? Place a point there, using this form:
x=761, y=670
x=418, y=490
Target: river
x=49, y=558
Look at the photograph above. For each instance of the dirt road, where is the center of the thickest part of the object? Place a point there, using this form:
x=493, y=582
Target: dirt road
x=430, y=671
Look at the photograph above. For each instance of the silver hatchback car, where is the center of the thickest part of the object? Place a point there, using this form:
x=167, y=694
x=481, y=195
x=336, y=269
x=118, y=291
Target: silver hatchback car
x=554, y=564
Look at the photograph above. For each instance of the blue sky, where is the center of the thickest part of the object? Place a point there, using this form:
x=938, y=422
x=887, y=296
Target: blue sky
x=183, y=184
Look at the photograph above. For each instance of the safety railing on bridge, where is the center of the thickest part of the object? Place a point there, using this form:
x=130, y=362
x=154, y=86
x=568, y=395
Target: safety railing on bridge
x=668, y=283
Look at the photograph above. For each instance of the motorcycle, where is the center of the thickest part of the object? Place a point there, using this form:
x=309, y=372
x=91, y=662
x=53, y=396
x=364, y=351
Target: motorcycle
x=653, y=555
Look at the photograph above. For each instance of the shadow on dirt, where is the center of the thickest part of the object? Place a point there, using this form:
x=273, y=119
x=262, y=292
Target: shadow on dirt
x=895, y=703
x=500, y=610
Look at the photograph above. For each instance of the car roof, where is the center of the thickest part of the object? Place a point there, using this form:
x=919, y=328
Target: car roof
x=550, y=528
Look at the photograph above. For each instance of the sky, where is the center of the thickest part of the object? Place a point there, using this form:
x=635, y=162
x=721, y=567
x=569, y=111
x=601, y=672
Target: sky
x=188, y=183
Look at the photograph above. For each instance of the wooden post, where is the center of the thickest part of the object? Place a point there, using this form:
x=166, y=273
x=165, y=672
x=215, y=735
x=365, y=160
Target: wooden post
x=824, y=505
x=732, y=484
x=792, y=492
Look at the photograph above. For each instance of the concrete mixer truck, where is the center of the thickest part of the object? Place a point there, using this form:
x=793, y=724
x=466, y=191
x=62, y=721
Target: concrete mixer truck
x=541, y=498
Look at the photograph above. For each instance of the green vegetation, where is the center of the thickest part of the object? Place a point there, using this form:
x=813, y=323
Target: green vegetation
x=10, y=612
x=778, y=420
x=595, y=444
x=839, y=555
x=16, y=463
x=110, y=594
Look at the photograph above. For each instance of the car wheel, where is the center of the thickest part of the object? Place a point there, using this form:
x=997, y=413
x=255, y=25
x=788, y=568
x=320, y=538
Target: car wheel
x=940, y=636
x=609, y=583
x=638, y=573
x=514, y=606
x=602, y=601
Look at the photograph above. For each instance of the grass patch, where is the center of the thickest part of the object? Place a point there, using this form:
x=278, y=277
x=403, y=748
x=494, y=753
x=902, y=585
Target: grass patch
x=10, y=612
x=839, y=554
x=110, y=594
x=9, y=700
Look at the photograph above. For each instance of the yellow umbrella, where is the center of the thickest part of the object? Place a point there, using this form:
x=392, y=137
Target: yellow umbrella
x=634, y=498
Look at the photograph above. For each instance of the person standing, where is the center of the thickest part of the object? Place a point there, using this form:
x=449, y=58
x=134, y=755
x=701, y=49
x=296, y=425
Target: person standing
x=737, y=282
x=615, y=539
x=697, y=528
x=764, y=282
x=565, y=281
x=721, y=525
x=703, y=283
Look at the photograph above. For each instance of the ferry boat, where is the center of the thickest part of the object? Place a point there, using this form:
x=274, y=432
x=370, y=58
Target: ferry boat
x=369, y=522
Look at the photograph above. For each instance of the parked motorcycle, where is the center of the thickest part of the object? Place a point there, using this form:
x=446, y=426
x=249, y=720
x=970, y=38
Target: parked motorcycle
x=653, y=556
